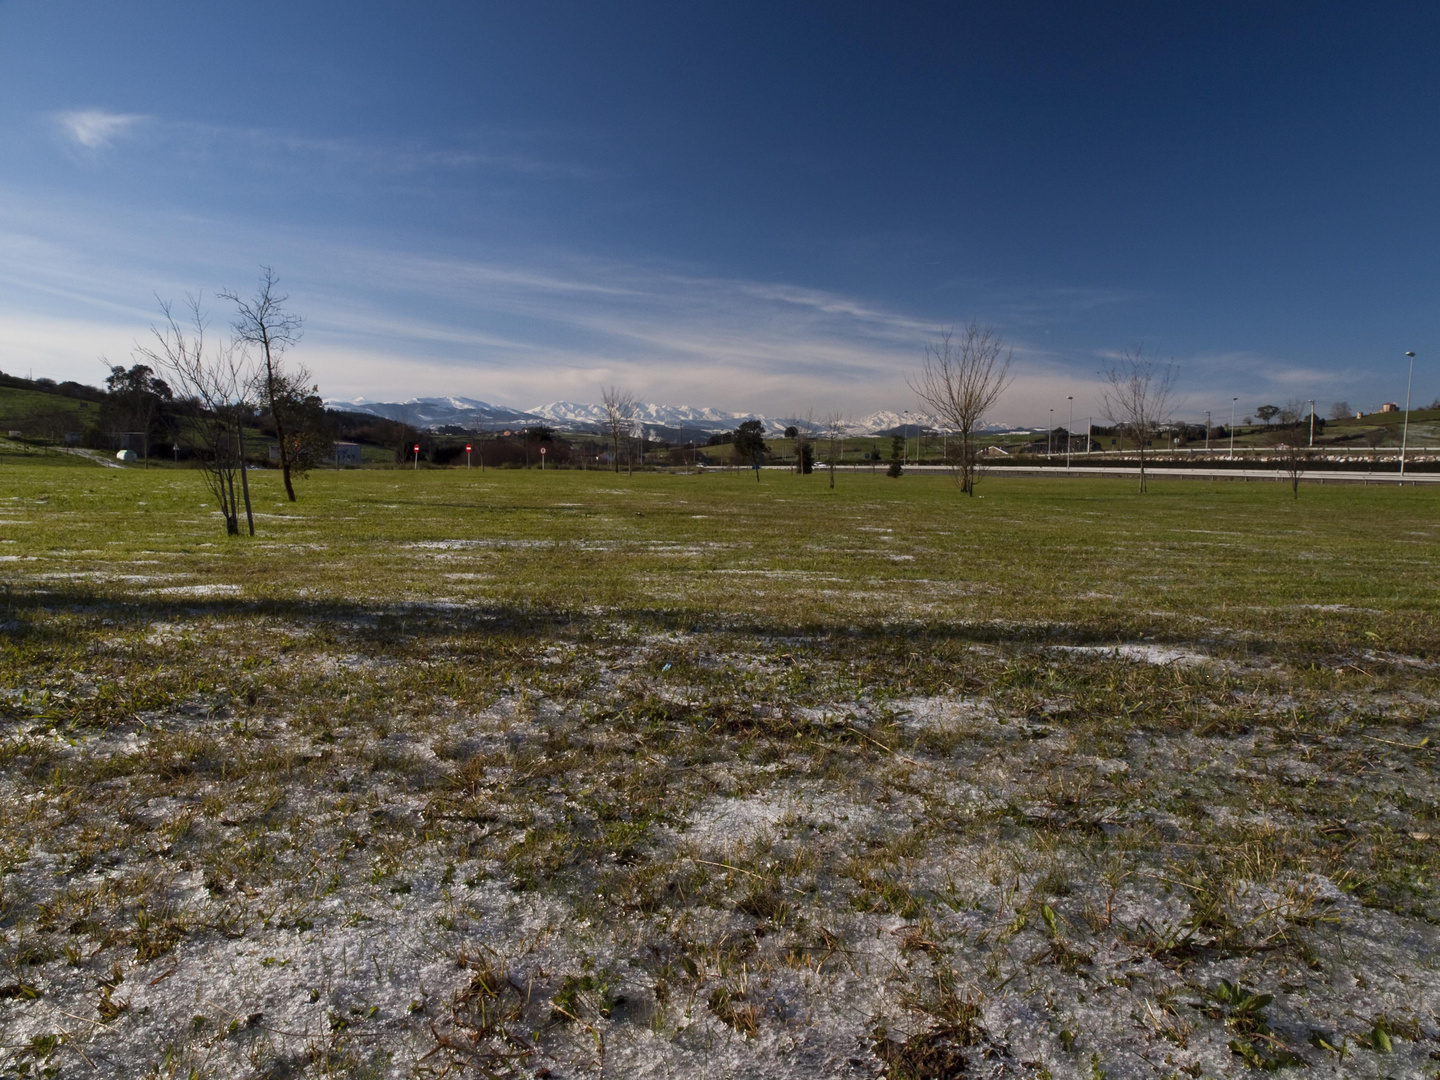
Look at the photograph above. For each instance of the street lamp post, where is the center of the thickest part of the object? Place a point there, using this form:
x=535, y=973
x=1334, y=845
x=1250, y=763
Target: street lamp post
x=1405, y=428
x=1207, y=431
x=1233, y=400
x=1312, y=421
x=1050, y=437
x=1070, y=423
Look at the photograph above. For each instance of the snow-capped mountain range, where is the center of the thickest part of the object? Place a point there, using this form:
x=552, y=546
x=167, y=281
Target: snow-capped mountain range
x=437, y=412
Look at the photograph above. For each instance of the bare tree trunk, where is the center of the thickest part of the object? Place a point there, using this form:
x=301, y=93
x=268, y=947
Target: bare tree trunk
x=230, y=506
x=245, y=475
x=275, y=411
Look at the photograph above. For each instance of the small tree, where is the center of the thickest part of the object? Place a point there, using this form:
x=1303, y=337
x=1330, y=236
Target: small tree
x=834, y=443
x=214, y=379
x=619, y=407
x=262, y=321
x=1341, y=410
x=1266, y=413
x=750, y=445
x=897, y=456
x=1139, y=398
x=960, y=382
x=1292, y=459
x=804, y=448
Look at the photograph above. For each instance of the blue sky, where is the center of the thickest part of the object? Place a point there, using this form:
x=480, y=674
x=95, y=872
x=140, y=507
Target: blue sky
x=752, y=206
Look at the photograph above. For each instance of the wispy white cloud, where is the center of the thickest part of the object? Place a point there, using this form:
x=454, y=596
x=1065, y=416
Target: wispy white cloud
x=517, y=328
x=95, y=128
x=276, y=149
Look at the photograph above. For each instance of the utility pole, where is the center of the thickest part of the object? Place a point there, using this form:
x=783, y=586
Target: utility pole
x=1405, y=429
x=1207, y=431
x=1312, y=421
x=1233, y=400
x=1050, y=437
x=1070, y=423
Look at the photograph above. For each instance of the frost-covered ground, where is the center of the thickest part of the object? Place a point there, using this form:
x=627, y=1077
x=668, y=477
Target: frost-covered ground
x=516, y=775
x=668, y=855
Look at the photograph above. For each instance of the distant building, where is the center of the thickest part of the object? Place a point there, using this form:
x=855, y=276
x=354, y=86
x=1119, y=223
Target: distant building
x=1389, y=406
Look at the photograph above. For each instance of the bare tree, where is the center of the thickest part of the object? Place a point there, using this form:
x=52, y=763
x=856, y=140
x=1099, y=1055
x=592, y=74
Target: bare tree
x=214, y=380
x=804, y=443
x=834, y=429
x=262, y=321
x=619, y=406
x=1291, y=458
x=1139, y=397
x=1341, y=410
x=960, y=382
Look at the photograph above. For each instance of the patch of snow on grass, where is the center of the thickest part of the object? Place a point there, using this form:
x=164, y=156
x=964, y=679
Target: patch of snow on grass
x=1144, y=654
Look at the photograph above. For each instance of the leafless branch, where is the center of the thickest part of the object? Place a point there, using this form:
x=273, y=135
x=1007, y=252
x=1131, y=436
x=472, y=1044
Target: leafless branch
x=1139, y=397
x=262, y=321
x=215, y=380
x=619, y=406
x=960, y=381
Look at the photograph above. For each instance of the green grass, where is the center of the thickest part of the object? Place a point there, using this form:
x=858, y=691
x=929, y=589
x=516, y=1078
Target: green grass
x=18, y=404
x=691, y=756
x=1243, y=564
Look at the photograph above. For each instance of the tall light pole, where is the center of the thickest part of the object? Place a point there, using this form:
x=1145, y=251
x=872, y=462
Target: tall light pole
x=1405, y=428
x=1312, y=421
x=1070, y=423
x=1233, y=400
x=1050, y=436
x=1207, y=431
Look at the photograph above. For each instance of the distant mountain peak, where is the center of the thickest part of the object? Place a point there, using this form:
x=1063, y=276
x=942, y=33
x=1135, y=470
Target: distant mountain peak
x=437, y=412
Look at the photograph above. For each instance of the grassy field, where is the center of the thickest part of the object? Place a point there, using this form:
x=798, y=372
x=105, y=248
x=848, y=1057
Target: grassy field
x=577, y=774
